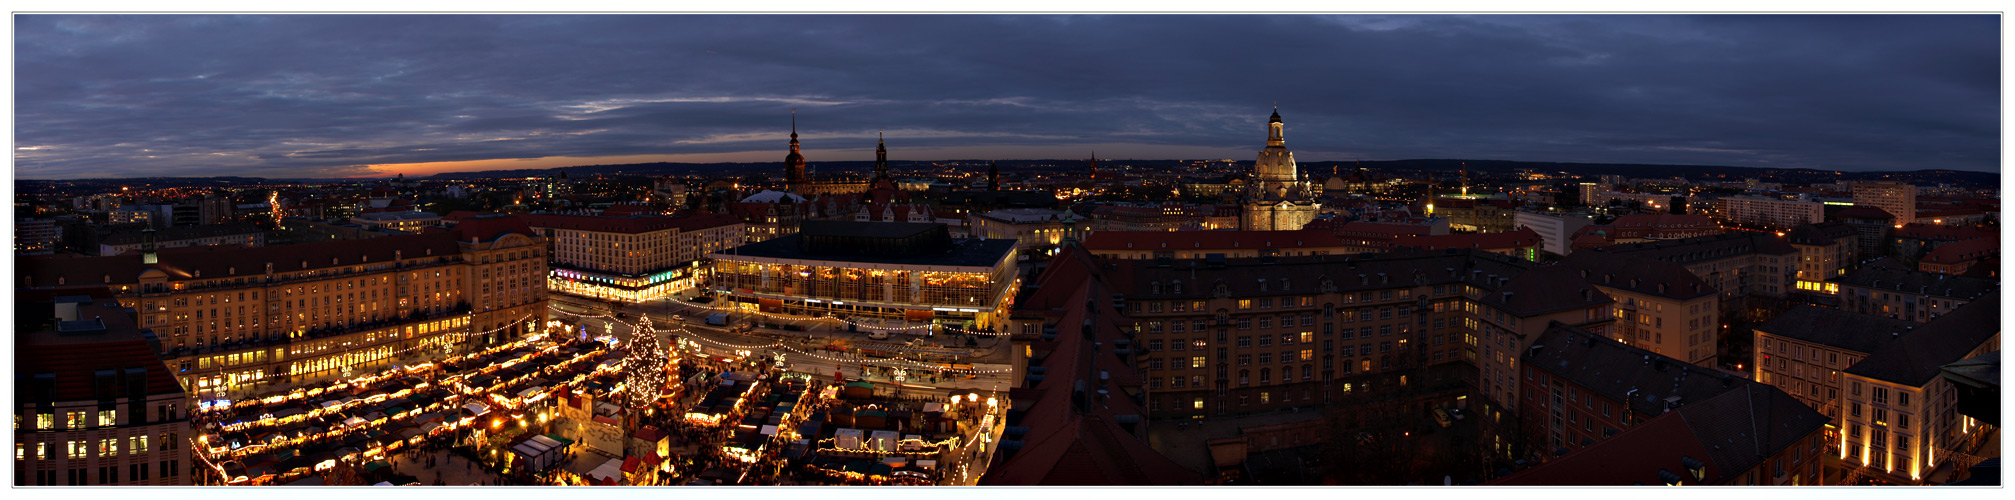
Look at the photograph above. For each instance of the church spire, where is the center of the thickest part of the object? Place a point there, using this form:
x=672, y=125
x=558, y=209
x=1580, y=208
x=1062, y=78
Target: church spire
x=794, y=163
x=881, y=158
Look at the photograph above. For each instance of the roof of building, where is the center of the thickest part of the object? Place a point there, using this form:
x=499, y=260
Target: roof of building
x=75, y=358
x=1642, y=276
x=1914, y=358
x=1836, y=328
x=1073, y=436
x=1963, y=251
x=1937, y=232
x=964, y=252
x=866, y=229
x=769, y=196
x=490, y=227
x=1517, y=286
x=1644, y=379
x=181, y=233
x=1028, y=215
x=1824, y=233
x=702, y=221
x=228, y=260
x=1728, y=425
x=1981, y=371
x=1886, y=275
x=1209, y=240
x=1523, y=237
x=1704, y=248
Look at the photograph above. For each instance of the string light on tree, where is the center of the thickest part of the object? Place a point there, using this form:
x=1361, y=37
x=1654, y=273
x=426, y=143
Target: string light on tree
x=644, y=368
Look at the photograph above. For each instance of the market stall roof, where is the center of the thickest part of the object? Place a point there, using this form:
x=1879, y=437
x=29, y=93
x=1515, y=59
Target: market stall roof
x=612, y=471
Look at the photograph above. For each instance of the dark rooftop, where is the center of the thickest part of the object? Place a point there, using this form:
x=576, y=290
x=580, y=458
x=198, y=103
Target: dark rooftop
x=1914, y=359
x=1645, y=380
x=1836, y=328
x=1908, y=281
x=964, y=252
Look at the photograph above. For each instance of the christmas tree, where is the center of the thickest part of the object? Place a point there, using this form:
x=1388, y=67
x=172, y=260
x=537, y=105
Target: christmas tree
x=644, y=369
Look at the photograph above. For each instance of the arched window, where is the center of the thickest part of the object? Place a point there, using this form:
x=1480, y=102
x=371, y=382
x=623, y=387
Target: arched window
x=1307, y=372
x=1244, y=378
x=1266, y=375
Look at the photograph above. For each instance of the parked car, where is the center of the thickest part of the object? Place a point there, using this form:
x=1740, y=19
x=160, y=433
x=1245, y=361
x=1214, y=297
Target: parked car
x=1441, y=417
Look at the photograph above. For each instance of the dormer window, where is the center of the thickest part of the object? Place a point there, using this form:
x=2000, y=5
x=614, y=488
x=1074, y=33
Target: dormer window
x=1157, y=287
x=1177, y=285
x=1262, y=284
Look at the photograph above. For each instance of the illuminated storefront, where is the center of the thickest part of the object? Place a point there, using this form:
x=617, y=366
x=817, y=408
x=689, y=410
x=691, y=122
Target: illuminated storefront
x=624, y=288
x=967, y=284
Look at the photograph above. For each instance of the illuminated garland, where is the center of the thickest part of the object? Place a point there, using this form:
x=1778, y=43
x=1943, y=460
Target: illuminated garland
x=890, y=362
x=644, y=369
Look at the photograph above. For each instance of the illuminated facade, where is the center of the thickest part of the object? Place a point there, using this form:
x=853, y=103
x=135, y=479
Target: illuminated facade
x=1277, y=199
x=1034, y=229
x=914, y=272
x=231, y=319
x=1660, y=307
x=1803, y=351
x=1900, y=420
x=1771, y=212
x=1897, y=198
x=631, y=259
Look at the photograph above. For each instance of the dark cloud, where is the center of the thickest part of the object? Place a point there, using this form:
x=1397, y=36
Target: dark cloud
x=326, y=95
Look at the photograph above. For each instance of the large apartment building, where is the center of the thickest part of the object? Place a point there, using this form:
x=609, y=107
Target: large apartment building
x=1885, y=289
x=1738, y=264
x=1825, y=250
x=1242, y=336
x=231, y=319
x=1897, y=198
x=632, y=259
x=1803, y=350
x=1660, y=307
x=94, y=405
x=1772, y=213
x=1604, y=413
x=1900, y=420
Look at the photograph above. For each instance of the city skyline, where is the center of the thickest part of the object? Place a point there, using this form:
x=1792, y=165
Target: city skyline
x=373, y=96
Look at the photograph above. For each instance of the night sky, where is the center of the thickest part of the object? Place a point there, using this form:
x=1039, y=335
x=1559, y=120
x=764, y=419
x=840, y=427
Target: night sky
x=341, y=96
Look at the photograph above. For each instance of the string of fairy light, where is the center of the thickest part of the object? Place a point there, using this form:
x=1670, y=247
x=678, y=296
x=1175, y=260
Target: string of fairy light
x=892, y=362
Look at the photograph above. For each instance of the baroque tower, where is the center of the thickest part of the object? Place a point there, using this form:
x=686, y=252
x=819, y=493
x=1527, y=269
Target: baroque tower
x=881, y=159
x=1277, y=199
x=794, y=163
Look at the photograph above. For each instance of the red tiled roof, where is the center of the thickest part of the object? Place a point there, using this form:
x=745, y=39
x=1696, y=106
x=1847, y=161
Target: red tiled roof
x=1378, y=230
x=1962, y=251
x=698, y=222
x=1937, y=232
x=1209, y=240
x=75, y=359
x=222, y=261
x=1524, y=237
x=624, y=209
x=1064, y=446
x=490, y=228
x=1631, y=458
